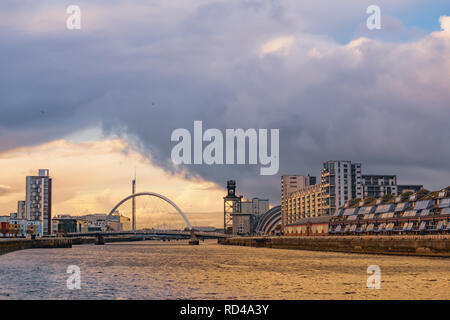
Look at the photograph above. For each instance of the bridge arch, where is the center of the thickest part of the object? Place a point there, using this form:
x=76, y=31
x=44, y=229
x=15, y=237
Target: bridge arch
x=157, y=195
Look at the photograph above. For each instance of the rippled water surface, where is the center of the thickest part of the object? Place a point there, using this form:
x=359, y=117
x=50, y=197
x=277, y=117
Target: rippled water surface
x=156, y=270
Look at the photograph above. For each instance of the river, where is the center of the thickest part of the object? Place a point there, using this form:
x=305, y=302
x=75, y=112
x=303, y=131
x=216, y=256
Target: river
x=175, y=270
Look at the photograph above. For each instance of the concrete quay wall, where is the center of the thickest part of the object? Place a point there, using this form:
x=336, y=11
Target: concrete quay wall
x=9, y=245
x=429, y=246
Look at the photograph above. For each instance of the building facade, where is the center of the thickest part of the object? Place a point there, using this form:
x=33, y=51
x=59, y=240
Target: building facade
x=256, y=206
x=290, y=184
x=304, y=203
x=379, y=185
x=21, y=210
x=314, y=226
x=376, y=186
x=341, y=181
x=243, y=224
x=39, y=199
x=421, y=212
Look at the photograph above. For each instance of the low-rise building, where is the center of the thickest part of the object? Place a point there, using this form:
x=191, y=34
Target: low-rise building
x=421, y=212
x=243, y=223
x=313, y=226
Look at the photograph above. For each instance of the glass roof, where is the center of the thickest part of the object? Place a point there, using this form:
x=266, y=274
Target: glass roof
x=384, y=208
x=425, y=212
x=424, y=204
x=350, y=211
x=390, y=226
x=402, y=206
x=409, y=213
x=364, y=210
x=444, y=203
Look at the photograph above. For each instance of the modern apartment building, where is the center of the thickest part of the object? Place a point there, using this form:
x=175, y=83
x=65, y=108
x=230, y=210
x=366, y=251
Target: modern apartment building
x=341, y=181
x=21, y=210
x=290, y=184
x=375, y=185
x=38, y=202
x=304, y=203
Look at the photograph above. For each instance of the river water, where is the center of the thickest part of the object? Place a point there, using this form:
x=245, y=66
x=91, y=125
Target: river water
x=175, y=270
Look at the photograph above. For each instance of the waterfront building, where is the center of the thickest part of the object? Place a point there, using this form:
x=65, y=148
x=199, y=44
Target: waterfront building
x=375, y=185
x=67, y=224
x=24, y=228
x=39, y=199
x=256, y=206
x=243, y=223
x=4, y=226
x=21, y=208
x=269, y=223
x=91, y=222
x=290, y=184
x=118, y=222
x=420, y=212
x=311, y=226
x=341, y=181
x=304, y=203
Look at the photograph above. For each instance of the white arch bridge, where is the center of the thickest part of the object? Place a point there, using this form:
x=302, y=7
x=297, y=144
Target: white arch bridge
x=157, y=195
x=152, y=234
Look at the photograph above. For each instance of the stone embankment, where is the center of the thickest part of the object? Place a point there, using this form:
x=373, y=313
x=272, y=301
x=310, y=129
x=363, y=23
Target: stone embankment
x=430, y=246
x=9, y=245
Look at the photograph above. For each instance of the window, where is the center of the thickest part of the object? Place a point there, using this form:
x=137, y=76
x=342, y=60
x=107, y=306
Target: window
x=401, y=206
x=365, y=210
x=424, y=204
x=384, y=208
x=444, y=203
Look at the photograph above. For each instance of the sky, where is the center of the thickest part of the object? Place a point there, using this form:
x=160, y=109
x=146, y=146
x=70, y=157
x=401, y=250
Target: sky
x=96, y=103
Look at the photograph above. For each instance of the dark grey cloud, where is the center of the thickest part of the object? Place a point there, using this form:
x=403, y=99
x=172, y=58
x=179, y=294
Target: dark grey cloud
x=384, y=104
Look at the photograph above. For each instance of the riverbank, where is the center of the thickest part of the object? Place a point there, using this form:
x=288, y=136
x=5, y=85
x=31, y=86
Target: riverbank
x=428, y=246
x=10, y=245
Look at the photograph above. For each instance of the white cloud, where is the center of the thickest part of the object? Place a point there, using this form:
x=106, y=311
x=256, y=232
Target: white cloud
x=279, y=45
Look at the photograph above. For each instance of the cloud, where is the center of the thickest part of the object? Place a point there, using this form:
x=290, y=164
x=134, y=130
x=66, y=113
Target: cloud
x=278, y=45
x=160, y=66
x=93, y=176
x=4, y=190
